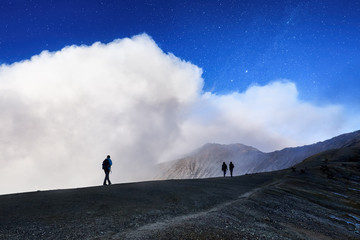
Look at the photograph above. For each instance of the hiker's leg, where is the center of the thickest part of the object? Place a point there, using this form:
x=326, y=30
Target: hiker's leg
x=104, y=179
x=107, y=176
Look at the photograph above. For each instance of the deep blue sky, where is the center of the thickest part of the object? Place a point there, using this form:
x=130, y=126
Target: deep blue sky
x=316, y=43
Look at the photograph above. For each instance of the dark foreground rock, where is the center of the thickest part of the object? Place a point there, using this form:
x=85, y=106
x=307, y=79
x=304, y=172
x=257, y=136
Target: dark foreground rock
x=318, y=199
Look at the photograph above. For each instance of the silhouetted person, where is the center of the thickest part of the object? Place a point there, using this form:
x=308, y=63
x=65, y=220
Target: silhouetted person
x=224, y=168
x=106, y=165
x=231, y=167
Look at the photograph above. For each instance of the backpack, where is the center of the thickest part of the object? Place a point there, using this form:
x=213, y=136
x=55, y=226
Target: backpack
x=106, y=164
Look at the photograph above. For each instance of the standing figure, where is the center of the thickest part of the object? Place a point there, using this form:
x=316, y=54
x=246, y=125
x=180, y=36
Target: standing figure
x=224, y=168
x=106, y=165
x=231, y=167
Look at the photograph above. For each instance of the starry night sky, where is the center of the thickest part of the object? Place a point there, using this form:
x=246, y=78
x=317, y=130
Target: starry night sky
x=315, y=44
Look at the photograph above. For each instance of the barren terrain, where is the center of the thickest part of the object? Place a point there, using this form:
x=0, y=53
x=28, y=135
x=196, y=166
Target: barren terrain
x=318, y=199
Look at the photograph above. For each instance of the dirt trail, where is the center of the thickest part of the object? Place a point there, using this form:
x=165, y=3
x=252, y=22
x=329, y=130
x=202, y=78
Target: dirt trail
x=145, y=231
x=317, y=200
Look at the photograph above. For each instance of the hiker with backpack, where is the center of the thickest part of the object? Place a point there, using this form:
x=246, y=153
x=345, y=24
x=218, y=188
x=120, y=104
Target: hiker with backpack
x=231, y=167
x=224, y=168
x=106, y=165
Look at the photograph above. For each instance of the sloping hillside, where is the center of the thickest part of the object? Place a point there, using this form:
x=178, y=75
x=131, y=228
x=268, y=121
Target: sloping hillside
x=206, y=161
x=111, y=212
x=318, y=199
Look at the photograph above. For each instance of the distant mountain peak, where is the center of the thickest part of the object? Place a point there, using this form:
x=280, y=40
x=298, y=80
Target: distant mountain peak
x=206, y=161
x=232, y=146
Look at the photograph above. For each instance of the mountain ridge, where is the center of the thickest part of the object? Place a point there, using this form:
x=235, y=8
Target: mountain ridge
x=206, y=161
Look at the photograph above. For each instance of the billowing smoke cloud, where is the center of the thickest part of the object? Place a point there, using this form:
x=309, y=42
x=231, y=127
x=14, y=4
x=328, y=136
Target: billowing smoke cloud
x=268, y=117
x=63, y=112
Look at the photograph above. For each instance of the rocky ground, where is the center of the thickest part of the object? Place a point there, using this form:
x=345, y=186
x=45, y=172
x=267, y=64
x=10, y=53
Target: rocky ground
x=318, y=199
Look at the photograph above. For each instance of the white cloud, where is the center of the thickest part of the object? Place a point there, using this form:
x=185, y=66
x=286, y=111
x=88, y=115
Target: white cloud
x=63, y=112
x=269, y=117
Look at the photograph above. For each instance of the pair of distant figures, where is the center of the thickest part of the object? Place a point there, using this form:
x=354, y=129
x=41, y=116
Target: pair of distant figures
x=224, y=168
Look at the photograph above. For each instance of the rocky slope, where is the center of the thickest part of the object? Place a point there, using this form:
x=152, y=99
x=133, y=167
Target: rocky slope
x=206, y=161
x=317, y=199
